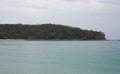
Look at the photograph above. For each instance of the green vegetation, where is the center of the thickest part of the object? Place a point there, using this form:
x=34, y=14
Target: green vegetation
x=48, y=32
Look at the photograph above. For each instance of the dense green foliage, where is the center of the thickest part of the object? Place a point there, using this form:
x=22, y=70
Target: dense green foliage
x=47, y=32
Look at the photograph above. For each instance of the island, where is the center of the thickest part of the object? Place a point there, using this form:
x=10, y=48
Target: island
x=47, y=32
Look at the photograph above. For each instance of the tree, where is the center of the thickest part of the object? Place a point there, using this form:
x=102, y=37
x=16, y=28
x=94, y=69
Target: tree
x=48, y=32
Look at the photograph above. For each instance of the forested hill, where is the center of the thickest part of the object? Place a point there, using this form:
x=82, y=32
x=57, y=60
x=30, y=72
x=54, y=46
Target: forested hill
x=48, y=32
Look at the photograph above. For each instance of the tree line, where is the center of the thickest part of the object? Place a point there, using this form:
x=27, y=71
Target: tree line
x=48, y=32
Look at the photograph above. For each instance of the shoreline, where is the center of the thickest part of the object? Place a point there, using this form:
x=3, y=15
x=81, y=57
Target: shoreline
x=54, y=40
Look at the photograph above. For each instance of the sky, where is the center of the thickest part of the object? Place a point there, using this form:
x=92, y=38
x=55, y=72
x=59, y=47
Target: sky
x=100, y=15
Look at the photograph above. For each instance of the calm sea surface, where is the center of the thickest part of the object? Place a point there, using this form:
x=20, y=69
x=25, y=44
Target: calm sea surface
x=59, y=57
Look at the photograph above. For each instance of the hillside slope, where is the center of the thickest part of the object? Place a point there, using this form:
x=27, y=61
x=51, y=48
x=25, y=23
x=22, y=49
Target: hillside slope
x=48, y=32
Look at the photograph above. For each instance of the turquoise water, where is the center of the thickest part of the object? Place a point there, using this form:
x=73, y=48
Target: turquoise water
x=59, y=57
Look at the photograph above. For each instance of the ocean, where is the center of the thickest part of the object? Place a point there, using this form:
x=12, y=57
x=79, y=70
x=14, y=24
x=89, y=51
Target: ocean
x=59, y=57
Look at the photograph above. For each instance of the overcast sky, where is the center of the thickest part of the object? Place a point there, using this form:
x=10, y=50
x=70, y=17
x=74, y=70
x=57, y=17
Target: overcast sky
x=100, y=15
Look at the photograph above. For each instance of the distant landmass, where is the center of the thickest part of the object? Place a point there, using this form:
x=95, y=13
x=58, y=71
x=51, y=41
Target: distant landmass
x=48, y=32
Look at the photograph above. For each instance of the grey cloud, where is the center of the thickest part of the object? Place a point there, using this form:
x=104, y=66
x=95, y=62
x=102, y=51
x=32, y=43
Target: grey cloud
x=77, y=0
x=72, y=0
x=11, y=2
x=101, y=1
x=110, y=1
